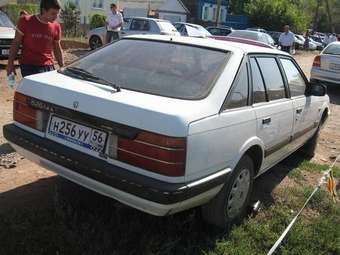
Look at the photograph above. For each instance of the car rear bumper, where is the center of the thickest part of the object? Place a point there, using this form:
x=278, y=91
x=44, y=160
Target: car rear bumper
x=144, y=193
x=325, y=76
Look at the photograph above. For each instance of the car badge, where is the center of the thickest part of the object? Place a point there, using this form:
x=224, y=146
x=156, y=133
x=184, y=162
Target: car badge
x=75, y=104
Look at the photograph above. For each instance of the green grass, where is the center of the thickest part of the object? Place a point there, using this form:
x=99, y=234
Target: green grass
x=312, y=167
x=85, y=223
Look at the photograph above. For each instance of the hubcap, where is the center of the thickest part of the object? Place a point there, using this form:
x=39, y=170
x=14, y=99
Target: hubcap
x=238, y=193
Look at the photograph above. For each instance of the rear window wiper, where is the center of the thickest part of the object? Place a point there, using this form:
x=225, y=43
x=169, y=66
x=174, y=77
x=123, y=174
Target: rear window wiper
x=88, y=76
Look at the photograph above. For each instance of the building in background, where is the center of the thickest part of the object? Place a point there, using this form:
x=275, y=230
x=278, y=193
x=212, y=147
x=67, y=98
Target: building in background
x=173, y=10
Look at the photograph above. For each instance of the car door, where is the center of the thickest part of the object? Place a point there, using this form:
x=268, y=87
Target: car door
x=273, y=108
x=137, y=26
x=306, y=110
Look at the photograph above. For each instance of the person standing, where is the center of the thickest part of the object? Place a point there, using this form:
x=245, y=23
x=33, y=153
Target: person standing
x=333, y=38
x=286, y=40
x=39, y=36
x=114, y=23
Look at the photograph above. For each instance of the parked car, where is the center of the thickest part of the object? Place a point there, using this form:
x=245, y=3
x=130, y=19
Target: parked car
x=137, y=25
x=193, y=30
x=129, y=127
x=257, y=29
x=302, y=43
x=299, y=43
x=7, y=34
x=326, y=66
x=253, y=35
x=275, y=35
x=220, y=30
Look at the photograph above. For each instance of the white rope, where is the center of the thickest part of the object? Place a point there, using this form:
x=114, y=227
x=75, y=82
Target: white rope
x=285, y=232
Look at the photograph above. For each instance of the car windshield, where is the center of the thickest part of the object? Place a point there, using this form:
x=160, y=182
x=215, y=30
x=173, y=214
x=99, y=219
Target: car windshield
x=166, y=26
x=5, y=21
x=160, y=68
x=245, y=35
x=333, y=49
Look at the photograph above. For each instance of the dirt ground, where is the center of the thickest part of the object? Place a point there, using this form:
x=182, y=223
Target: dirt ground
x=23, y=183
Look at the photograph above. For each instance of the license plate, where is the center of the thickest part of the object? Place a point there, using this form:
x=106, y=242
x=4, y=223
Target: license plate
x=86, y=137
x=5, y=52
x=335, y=67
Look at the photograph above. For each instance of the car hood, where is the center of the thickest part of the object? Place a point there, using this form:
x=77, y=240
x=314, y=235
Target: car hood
x=7, y=33
x=157, y=114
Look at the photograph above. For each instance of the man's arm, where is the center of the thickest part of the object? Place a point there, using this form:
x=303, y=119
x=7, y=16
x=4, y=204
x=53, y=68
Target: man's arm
x=13, y=52
x=58, y=53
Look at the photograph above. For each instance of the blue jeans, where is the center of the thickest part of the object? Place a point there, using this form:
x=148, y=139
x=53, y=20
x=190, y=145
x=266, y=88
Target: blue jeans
x=32, y=69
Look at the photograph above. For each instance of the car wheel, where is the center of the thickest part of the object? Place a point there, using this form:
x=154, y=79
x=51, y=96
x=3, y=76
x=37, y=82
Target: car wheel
x=230, y=204
x=95, y=42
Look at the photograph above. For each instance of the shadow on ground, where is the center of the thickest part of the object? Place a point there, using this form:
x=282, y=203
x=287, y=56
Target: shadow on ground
x=83, y=222
x=5, y=148
x=334, y=94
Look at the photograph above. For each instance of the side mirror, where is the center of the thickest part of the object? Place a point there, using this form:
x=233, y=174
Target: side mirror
x=317, y=89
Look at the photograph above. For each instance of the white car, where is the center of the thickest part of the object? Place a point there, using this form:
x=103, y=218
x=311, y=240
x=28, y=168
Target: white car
x=134, y=26
x=164, y=124
x=7, y=33
x=326, y=66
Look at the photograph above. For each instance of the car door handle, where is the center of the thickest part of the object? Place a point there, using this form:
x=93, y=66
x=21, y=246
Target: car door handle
x=298, y=111
x=266, y=121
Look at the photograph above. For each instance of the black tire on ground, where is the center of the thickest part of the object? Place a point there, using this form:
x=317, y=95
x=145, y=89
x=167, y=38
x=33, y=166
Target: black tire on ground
x=95, y=42
x=222, y=211
x=308, y=149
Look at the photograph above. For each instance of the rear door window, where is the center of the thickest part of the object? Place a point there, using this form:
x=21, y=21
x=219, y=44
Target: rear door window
x=259, y=91
x=272, y=77
x=295, y=80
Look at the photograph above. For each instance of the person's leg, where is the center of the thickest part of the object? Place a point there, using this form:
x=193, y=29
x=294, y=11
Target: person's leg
x=32, y=69
x=115, y=36
x=109, y=35
x=28, y=70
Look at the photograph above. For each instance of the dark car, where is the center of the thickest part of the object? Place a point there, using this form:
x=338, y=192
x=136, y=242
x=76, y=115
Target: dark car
x=222, y=31
x=275, y=35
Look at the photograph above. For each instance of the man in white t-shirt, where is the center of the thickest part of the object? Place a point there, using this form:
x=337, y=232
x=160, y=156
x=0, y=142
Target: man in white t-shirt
x=286, y=40
x=114, y=22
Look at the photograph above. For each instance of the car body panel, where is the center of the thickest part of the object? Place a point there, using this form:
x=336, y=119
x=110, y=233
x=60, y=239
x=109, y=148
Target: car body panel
x=329, y=71
x=216, y=136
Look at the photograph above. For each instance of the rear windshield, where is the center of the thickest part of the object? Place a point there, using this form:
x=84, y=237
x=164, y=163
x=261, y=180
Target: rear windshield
x=5, y=21
x=244, y=34
x=160, y=68
x=333, y=49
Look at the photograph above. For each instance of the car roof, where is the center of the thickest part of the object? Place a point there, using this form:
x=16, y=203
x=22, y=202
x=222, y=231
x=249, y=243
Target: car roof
x=248, y=32
x=210, y=43
x=154, y=19
x=190, y=24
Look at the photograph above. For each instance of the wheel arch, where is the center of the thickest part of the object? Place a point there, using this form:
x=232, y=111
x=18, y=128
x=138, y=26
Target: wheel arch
x=254, y=148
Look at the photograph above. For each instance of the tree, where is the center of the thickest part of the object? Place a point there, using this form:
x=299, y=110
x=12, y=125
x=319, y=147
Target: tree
x=71, y=19
x=274, y=14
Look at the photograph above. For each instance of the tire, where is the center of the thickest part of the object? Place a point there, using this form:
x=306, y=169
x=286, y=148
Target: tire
x=224, y=210
x=308, y=149
x=95, y=42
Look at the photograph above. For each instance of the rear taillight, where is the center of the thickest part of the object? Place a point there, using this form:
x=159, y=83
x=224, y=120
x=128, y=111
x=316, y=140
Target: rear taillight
x=317, y=61
x=157, y=153
x=25, y=114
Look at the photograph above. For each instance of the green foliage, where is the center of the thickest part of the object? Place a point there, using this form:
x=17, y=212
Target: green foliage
x=13, y=10
x=97, y=20
x=274, y=14
x=70, y=16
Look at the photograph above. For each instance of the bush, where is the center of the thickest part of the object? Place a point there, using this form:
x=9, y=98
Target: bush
x=97, y=20
x=13, y=10
x=71, y=19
